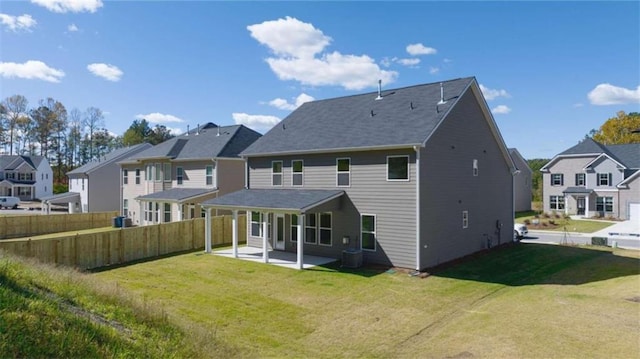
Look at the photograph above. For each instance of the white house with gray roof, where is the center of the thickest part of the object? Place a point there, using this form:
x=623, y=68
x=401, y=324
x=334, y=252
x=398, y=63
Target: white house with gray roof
x=591, y=179
x=411, y=177
x=95, y=186
x=168, y=181
x=25, y=177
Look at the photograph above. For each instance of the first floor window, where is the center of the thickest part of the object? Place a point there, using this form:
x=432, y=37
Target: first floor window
x=465, y=219
x=276, y=173
x=398, y=168
x=310, y=227
x=83, y=184
x=604, y=204
x=325, y=228
x=556, y=202
x=167, y=212
x=24, y=191
x=256, y=224
x=294, y=228
x=368, y=231
x=125, y=207
x=148, y=214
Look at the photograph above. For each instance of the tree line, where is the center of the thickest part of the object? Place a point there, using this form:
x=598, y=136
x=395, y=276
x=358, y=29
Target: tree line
x=68, y=139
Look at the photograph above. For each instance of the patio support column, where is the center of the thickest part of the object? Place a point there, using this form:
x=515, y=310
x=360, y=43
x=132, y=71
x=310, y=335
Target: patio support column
x=586, y=205
x=234, y=233
x=566, y=205
x=300, y=262
x=265, y=250
x=207, y=231
x=180, y=205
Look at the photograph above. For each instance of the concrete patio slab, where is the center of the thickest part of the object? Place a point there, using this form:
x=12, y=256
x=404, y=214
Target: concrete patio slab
x=279, y=258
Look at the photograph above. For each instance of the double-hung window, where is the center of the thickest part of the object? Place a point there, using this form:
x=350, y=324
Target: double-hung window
x=167, y=212
x=125, y=207
x=297, y=172
x=325, y=228
x=398, y=168
x=604, y=179
x=209, y=175
x=158, y=169
x=310, y=228
x=179, y=175
x=557, y=179
x=276, y=173
x=166, y=172
x=580, y=179
x=294, y=228
x=137, y=176
x=343, y=169
x=556, y=202
x=256, y=224
x=368, y=232
x=125, y=176
x=604, y=204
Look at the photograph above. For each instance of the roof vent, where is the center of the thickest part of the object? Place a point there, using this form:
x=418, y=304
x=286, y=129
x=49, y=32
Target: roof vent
x=198, y=130
x=442, y=101
x=187, y=130
x=218, y=131
x=379, y=90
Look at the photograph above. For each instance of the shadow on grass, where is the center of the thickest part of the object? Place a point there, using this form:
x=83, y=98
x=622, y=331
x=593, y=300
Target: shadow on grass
x=143, y=260
x=530, y=264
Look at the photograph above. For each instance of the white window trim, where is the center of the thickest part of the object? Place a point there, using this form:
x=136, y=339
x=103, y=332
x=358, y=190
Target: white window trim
x=343, y=172
x=408, y=169
x=138, y=176
x=281, y=173
x=557, y=203
x=320, y=228
x=180, y=177
x=295, y=173
x=561, y=179
x=475, y=167
x=584, y=179
x=306, y=225
x=375, y=232
x=251, y=222
x=166, y=166
x=599, y=182
x=165, y=212
x=125, y=176
x=465, y=219
x=206, y=175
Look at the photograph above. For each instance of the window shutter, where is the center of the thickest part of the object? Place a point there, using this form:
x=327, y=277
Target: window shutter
x=562, y=179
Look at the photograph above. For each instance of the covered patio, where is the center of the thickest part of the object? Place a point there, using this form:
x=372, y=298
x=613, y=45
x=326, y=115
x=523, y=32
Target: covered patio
x=158, y=207
x=72, y=199
x=279, y=258
x=294, y=202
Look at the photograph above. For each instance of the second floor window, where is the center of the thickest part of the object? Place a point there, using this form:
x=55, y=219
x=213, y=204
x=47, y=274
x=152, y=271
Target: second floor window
x=398, y=168
x=125, y=176
x=343, y=168
x=148, y=172
x=276, y=173
x=166, y=172
x=209, y=175
x=125, y=207
x=557, y=179
x=158, y=169
x=580, y=179
x=297, y=172
x=604, y=179
x=179, y=175
x=137, y=176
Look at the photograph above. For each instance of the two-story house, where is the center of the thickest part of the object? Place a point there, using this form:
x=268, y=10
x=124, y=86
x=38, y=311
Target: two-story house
x=168, y=181
x=591, y=179
x=25, y=177
x=411, y=177
x=521, y=182
x=95, y=186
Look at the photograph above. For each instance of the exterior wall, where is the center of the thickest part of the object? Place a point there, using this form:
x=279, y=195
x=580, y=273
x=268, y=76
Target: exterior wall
x=392, y=202
x=448, y=187
x=194, y=173
x=229, y=175
x=103, y=188
x=568, y=166
x=628, y=196
x=75, y=185
x=522, y=185
x=44, y=180
x=133, y=190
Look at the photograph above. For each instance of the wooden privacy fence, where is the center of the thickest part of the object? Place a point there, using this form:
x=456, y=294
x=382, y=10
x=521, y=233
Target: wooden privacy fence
x=118, y=246
x=34, y=225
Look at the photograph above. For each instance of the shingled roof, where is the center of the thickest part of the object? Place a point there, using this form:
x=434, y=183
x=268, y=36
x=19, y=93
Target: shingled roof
x=402, y=117
x=111, y=157
x=205, y=142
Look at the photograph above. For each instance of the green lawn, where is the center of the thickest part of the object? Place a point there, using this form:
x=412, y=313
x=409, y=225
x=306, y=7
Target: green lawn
x=558, y=223
x=527, y=300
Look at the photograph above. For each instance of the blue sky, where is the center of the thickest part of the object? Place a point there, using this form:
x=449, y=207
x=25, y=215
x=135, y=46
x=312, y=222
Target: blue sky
x=550, y=71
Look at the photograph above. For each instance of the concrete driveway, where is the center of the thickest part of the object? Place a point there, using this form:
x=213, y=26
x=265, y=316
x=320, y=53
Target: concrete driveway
x=630, y=228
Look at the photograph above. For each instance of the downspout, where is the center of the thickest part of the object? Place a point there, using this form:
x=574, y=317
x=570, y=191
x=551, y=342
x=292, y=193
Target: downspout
x=417, y=149
x=246, y=173
x=513, y=199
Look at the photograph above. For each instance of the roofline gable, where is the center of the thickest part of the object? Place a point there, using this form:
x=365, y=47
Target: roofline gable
x=628, y=179
x=603, y=155
x=559, y=157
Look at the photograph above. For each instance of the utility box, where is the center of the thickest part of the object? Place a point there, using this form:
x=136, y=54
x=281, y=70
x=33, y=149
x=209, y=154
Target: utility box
x=352, y=258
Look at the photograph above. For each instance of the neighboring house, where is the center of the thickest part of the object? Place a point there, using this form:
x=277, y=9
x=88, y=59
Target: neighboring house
x=167, y=182
x=411, y=177
x=521, y=182
x=95, y=186
x=591, y=179
x=26, y=177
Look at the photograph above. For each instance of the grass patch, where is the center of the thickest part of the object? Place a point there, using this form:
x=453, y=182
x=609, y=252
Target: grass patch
x=526, y=300
x=557, y=222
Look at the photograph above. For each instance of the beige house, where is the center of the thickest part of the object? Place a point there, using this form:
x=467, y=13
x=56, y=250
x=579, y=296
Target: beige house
x=168, y=182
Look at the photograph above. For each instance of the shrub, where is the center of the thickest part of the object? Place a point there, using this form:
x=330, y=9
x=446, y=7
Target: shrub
x=546, y=215
x=527, y=222
x=552, y=222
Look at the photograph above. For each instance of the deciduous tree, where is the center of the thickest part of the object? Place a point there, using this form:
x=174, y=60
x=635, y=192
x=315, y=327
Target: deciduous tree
x=15, y=108
x=619, y=130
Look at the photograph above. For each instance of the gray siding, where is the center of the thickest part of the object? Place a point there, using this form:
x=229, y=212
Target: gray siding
x=522, y=185
x=629, y=196
x=448, y=187
x=393, y=202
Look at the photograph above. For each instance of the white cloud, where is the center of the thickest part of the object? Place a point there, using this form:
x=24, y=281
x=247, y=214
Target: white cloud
x=607, y=94
x=63, y=6
x=420, y=49
x=175, y=131
x=491, y=94
x=500, y=110
x=72, y=28
x=18, y=23
x=434, y=70
x=408, y=62
x=256, y=122
x=30, y=70
x=285, y=105
x=106, y=71
x=156, y=117
x=299, y=55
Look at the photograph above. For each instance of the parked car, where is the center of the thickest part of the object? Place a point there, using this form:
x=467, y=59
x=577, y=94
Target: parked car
x=519, y=231
x=9, y=202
